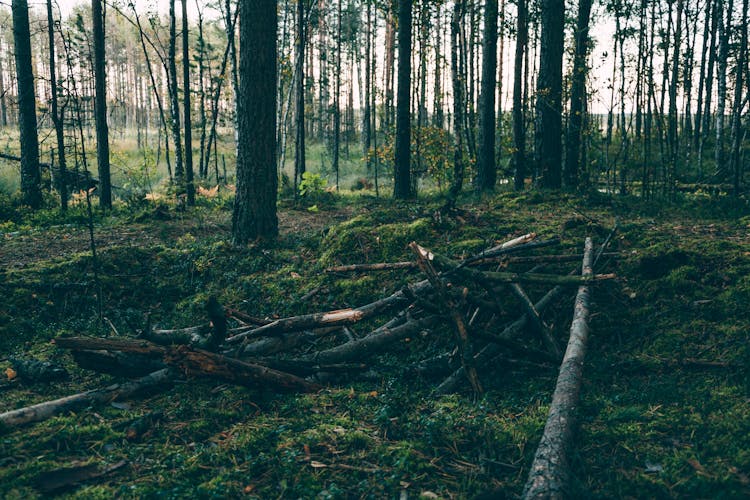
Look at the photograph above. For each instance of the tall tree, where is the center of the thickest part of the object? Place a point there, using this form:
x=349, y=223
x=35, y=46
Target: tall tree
x=486, y=167
x=737, y=132
x=577, y=96
x=402, y=188
x=254, y=214
x=187, y=109
x=56, y=117
x=179, y=168
x=722, y=58
x=519, y=127
x=100, y=106
x=459, y=106
x=299, y=146
x=30, y=176
x=548, y=140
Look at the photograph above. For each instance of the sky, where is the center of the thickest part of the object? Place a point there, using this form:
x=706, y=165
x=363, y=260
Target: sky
x=602, y=31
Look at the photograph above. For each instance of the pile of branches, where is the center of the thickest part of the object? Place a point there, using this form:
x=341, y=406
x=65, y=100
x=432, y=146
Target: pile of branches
x=283, y=354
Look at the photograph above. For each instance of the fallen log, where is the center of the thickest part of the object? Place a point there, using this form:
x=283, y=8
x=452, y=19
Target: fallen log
x=48, y=409
x=372, y=343
x=503, y=259
x=117, y=363
x=548, y=476
x=197, y=362
x=333, y=318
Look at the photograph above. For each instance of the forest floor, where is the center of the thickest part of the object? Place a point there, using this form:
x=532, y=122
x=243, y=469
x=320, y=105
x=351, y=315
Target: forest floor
x=665, y=410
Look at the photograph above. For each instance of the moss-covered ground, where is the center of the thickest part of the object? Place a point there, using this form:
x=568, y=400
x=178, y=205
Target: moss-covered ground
x=664, y=412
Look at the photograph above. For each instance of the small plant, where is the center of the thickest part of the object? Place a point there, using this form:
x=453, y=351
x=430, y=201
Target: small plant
x=312, y=185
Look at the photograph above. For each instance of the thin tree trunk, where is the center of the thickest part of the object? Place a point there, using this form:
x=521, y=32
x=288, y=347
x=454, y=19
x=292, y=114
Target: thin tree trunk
x=187, y=108
x=179, y=168
x=721, y=84
x=57, y=119
x=486, y=166
x=402, y=188
x=299, y=146
x=737, y=132
x=577, y=97
x=100, y=103
x=459, y=106
x=519, y=127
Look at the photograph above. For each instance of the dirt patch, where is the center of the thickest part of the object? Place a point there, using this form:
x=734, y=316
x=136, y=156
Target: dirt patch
x=22, y=249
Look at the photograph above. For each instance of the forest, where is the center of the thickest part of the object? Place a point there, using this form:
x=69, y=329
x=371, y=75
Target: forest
x=374, y=249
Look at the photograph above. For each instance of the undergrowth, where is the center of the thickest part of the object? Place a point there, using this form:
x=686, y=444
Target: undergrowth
x=664, y=409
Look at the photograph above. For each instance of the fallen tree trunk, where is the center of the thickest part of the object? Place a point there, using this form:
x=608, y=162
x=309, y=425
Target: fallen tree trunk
x=548, y=476
x=117, y=363
x=333, y=318
x=197, y=362
x=48, y=409
x=503, y=259
x=372, y=343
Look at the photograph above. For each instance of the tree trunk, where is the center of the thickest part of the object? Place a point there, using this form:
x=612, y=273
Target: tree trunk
x=49, y=409
x=577, y=97
x=459, y=105
x=30, y=175
x=402, y=188
x=486, y=166
x=100, y=104
x=519, y=127
x=737, y=132
x=187, y=108
x=179, y=168
x=722, y=59
x=57, y=119
x=299, y=143
x=548, y=140
x=549, y=474
x=254, y=213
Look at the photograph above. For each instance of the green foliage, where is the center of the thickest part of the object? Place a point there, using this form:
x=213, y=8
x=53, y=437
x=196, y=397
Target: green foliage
x=312, y=186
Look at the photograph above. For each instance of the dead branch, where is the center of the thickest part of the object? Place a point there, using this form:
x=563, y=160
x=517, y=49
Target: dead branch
x=462, y=334
x=374, y=342
x=332, y=318
x=48, y=409
x=196, y=362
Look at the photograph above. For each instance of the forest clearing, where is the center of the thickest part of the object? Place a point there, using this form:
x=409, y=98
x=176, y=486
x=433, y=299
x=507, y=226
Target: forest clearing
x=351, y=249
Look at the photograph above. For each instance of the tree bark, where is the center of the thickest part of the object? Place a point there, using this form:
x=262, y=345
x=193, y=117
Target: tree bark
x=57, y=119
x=30, y=175
x=459, y=104
x=548, y=140
x=519, y=127
x=49, y=409
x=402, y=186
x=100, y=105
x=254, y=213
x=574, y=137
x=196, y=362
x=187, y=110
x=548, y=476
x=179, y=168
x=486, y=166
